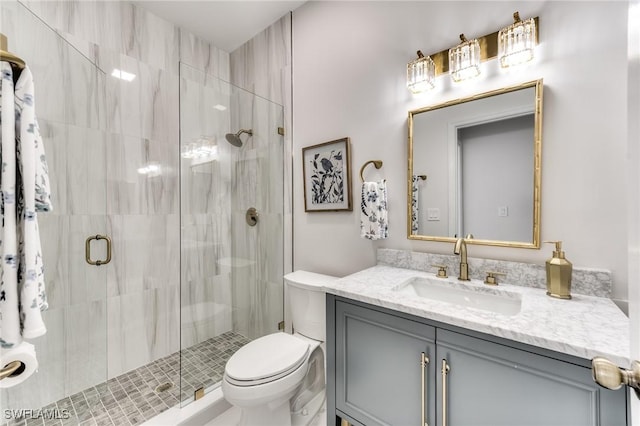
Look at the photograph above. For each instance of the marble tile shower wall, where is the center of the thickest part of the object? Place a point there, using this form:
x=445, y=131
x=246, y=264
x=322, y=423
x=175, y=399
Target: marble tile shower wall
x=258, y=251
x=263, y=66
x=72, y=114
x=206, y=193
x=129, y=309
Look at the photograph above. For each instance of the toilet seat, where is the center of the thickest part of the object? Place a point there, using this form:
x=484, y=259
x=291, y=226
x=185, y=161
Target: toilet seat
x=266, y=359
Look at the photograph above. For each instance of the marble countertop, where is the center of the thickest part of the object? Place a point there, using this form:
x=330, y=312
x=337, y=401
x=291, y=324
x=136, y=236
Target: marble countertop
x=584, y=326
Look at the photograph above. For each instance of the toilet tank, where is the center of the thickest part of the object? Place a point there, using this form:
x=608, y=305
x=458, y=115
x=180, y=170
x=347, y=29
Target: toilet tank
x=307, y=302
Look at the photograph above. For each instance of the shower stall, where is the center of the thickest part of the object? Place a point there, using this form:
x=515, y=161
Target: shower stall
x=193, y=205
x=231, y=190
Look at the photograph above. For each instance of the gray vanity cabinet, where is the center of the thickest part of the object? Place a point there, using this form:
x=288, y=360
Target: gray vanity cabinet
x=375, y=355
x=378, y=367
x=496, y=385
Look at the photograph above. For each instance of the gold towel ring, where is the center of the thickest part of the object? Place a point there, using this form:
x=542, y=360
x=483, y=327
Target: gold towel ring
x=376, y=163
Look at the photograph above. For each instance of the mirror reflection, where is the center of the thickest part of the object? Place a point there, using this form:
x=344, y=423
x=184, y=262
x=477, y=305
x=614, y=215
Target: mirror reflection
x=474, y=168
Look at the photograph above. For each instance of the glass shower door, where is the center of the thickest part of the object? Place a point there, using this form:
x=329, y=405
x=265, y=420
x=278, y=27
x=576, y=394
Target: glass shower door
x=232, y=186
x=70, y=106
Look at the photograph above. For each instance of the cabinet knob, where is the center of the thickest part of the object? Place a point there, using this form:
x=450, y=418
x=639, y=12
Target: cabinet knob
x=610, y=376
x=442, y=271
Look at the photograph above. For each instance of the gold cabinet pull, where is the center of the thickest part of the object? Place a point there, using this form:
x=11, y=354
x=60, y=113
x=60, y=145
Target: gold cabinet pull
x=9, y=369
x=424, y=361
x=445, y=371
x=87, y=250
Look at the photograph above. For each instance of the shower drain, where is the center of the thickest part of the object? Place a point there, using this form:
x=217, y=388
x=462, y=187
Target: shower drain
x=164, y=387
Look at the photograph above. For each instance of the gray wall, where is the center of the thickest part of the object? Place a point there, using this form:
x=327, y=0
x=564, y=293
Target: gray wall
x=349, y=80
x=497, y=172
x=435, y=153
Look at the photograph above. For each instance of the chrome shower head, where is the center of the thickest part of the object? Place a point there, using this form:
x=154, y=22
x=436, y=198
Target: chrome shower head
x=234, y=138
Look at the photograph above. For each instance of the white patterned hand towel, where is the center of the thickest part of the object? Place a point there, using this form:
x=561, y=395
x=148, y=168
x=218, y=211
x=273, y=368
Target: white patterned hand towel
x=373, y=206
x=414, y=204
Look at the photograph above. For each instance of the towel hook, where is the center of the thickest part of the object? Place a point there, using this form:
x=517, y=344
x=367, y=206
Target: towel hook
x=5, y=55
x=376, y=163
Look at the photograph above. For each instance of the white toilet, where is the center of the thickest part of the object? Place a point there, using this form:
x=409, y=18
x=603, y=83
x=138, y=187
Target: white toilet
x=279, y=379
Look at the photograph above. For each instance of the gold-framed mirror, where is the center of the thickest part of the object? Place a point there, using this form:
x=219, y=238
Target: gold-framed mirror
x=475, y=168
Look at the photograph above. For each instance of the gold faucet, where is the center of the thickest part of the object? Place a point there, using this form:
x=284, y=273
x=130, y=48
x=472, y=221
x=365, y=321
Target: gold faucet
x=461, y=249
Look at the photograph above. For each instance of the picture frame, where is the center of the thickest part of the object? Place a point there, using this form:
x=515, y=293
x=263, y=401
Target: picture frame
x=326, y=169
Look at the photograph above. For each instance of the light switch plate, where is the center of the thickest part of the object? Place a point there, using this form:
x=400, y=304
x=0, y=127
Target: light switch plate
x=433, y=214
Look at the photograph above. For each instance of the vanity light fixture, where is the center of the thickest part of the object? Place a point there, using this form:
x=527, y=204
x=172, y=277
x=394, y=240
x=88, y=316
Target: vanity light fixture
x=464, y=60
x=513, y=44
x=516, y=42
x=421, y=74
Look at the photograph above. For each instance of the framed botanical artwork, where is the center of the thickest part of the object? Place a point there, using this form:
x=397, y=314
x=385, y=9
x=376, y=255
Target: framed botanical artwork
x=327, y=176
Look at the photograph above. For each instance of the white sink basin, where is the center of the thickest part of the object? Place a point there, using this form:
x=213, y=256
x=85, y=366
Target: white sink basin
x=483, y=298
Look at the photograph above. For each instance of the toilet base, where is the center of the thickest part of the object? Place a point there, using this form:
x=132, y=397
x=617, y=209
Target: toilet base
x=266, y=415
x=304, y=416
x=282, y=415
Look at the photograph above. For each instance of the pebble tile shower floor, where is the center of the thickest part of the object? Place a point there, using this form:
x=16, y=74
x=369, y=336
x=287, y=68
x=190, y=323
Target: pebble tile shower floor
x=132, y=398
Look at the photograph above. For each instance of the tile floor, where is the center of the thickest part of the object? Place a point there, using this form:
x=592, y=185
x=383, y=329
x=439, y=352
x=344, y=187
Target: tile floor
x=134, y=397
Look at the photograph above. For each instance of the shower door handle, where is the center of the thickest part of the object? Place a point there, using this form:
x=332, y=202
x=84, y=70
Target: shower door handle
x=87, y=250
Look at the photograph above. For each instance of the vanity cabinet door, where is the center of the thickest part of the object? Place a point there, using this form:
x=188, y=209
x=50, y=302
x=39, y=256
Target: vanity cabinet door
x=491, y=384
x=378, y=367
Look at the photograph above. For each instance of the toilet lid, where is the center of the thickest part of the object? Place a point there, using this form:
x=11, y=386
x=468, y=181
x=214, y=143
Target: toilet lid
x=273, y=355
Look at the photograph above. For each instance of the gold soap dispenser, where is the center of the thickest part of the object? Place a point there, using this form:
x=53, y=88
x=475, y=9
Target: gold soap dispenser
x=559, y=271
